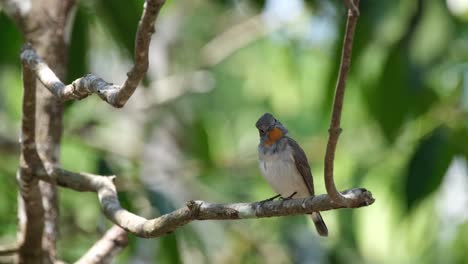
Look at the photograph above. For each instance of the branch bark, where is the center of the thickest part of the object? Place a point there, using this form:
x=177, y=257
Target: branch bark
x=115, y=95
x=105, y=249
x=195, y=210
x=48, y=34
x=31, y=211
x=335, y=129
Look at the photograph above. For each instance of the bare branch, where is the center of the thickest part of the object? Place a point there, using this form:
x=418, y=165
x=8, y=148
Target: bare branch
x=335, y=129
x=195, y=210
x=352, y=6
x=106, y=248
x=115, y=95
x=32, y=216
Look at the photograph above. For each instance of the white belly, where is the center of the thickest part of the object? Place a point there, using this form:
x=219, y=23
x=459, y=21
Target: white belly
x=281, y=173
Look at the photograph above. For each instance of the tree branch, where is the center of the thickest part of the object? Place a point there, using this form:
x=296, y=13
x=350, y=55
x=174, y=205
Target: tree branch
x=32, y=166
x=352, y=6
x=106, y=248
x=31, y=216
x=115, y=95
x=335, y=129
x=47, y=31
x=195, y=210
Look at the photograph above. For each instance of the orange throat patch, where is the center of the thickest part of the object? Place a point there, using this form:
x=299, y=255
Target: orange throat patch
x=273, y=136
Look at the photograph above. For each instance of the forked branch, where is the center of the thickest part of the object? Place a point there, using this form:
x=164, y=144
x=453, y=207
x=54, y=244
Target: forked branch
x=115, y=95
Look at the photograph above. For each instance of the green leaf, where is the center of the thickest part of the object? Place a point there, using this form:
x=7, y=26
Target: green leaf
x=399, y=94
x=389, y=99
x=428, y=165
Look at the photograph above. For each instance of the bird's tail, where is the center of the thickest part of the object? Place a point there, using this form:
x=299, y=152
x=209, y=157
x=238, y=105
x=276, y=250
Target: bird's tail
x=319, y=224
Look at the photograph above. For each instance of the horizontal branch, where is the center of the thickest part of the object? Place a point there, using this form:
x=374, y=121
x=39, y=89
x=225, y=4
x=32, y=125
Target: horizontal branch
x=115, y=95
x=195, y=210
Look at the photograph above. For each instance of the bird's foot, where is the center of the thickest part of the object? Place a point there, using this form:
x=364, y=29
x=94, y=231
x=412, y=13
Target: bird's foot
x=289, y=197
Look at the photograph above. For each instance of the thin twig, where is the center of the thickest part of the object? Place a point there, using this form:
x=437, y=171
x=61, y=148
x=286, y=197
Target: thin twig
x=106, y=248
x=353, y=6
x=195, y=210
x=115, y=95
x=335, y=129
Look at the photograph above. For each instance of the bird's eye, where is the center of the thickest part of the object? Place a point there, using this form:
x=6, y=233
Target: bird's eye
x=261, y=132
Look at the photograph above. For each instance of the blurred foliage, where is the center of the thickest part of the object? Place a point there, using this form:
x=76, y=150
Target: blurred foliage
x=405, y=127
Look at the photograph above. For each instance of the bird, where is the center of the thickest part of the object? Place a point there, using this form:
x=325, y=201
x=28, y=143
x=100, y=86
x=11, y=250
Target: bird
x=284, y=165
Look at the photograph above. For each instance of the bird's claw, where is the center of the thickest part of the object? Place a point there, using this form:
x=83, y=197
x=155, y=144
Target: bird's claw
x=270, y=199
x=289, y=197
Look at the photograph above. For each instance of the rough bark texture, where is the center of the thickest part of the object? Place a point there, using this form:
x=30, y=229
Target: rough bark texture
x=30, y=209
x=115, y=95
x=195, y=210
x=45, y=29
x=49, y=40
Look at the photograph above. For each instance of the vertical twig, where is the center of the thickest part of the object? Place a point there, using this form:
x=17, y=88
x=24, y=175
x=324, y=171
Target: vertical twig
x=335, y=129
x=30, y=211
x=142, y=41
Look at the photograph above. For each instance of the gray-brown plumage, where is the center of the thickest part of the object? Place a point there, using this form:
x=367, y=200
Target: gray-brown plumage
x=284, y=164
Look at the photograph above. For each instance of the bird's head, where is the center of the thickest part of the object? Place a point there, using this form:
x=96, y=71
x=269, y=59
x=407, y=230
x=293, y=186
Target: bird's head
x=270, y=129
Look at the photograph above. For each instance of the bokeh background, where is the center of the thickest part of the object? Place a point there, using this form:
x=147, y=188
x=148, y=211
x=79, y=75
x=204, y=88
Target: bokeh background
x=188, y=132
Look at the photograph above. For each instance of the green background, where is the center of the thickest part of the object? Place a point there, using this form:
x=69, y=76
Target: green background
x=188, y=132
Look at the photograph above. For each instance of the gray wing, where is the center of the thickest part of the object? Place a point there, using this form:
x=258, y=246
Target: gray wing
x=302, y=164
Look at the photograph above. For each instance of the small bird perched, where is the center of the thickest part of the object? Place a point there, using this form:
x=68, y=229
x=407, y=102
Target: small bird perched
x=284, y=164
